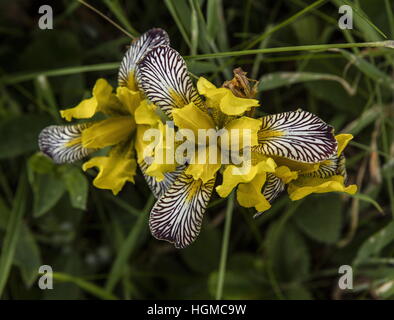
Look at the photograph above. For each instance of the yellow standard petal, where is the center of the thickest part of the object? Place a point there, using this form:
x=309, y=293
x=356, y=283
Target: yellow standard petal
x=249, y=194
x=239, y=129
x=108, y=132
x=286, y=174
x=102, y=96
x=130, y=99
x=224, y=99
x=232, y=175
x=164, y=160
x=115, y=169
x=204, y=170
x=304, y=186
x=146, y=114
x=193, y=118
x=343, y=140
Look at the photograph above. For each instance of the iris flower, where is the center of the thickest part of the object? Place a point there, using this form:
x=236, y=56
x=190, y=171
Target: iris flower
x=294, y=149
x=69, y=143
x=285, y=147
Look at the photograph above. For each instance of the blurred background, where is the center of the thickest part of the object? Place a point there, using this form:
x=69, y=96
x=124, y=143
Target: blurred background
x=99, y=246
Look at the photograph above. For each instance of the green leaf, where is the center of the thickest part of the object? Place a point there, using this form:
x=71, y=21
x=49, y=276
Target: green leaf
x=27, y=256
x=48, y=189
x=77, y=186
x=203, y=255
x=320, y=217
x=19, y=134
x=13, y=230
x=279, y=79
x=368, y=69
x=286, y=250
x=368, y=199
x=39, y=163
x=375, y=243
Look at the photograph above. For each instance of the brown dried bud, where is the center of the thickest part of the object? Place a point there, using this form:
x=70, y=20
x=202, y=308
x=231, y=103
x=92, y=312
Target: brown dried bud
x=241, y=85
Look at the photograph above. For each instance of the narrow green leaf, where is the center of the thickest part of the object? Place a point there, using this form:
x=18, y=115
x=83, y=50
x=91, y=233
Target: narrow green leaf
x=279, y=79
x=329, y=46
x=129, y=246
x=85, y=285
x=368, y=199
x=375, y=243
x=13, y=231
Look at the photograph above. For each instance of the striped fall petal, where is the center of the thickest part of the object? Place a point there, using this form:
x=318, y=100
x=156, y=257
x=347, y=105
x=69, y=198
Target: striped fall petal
x=177, y=215
x=159, y=188
x=296, y=135
x=64, y=143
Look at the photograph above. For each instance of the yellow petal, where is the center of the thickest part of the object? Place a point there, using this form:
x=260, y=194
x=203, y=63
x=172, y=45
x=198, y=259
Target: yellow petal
x=224, y=99
x=193, y=118
x=285, y=174
x=249, y=194
x=233, y=106
x=158, y=170
x=206, y=170
x=232, y=175
x=304, y=186
x=103, y=100
x=235, y=133
x=130, y=99
x=163, y=154
x=293, y=165
x=84, y=110
x=343, y=140
x=108, y=132
x=114, y=170
x=146, y=114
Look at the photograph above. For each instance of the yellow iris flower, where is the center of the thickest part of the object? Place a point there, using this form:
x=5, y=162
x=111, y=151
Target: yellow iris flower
x=292, y=149
x=119, y=165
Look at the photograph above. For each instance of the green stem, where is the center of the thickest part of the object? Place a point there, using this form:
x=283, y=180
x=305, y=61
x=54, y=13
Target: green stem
x=85, y=285
x=378, y=44
x=226, y=237
x=128, y=247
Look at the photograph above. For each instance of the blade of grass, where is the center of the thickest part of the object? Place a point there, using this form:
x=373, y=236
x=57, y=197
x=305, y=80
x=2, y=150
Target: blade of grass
x=194, y=28
x=107, y=18
x=368, y=199
x=85, y=285
x=284, y=23
x=116, y=9
x=12, y=79
x=390, y=16
x=128, y=246
x=171, y=7
x=12, y=233
x=321, y=47
x=225, y=242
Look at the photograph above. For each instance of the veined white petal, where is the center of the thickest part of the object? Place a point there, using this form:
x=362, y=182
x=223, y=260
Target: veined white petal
x=159, y=188
x=164, y=78
x=139, y=47
x=272, y=189
x=296, y=135
x=54, y=141
x=177, y=215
